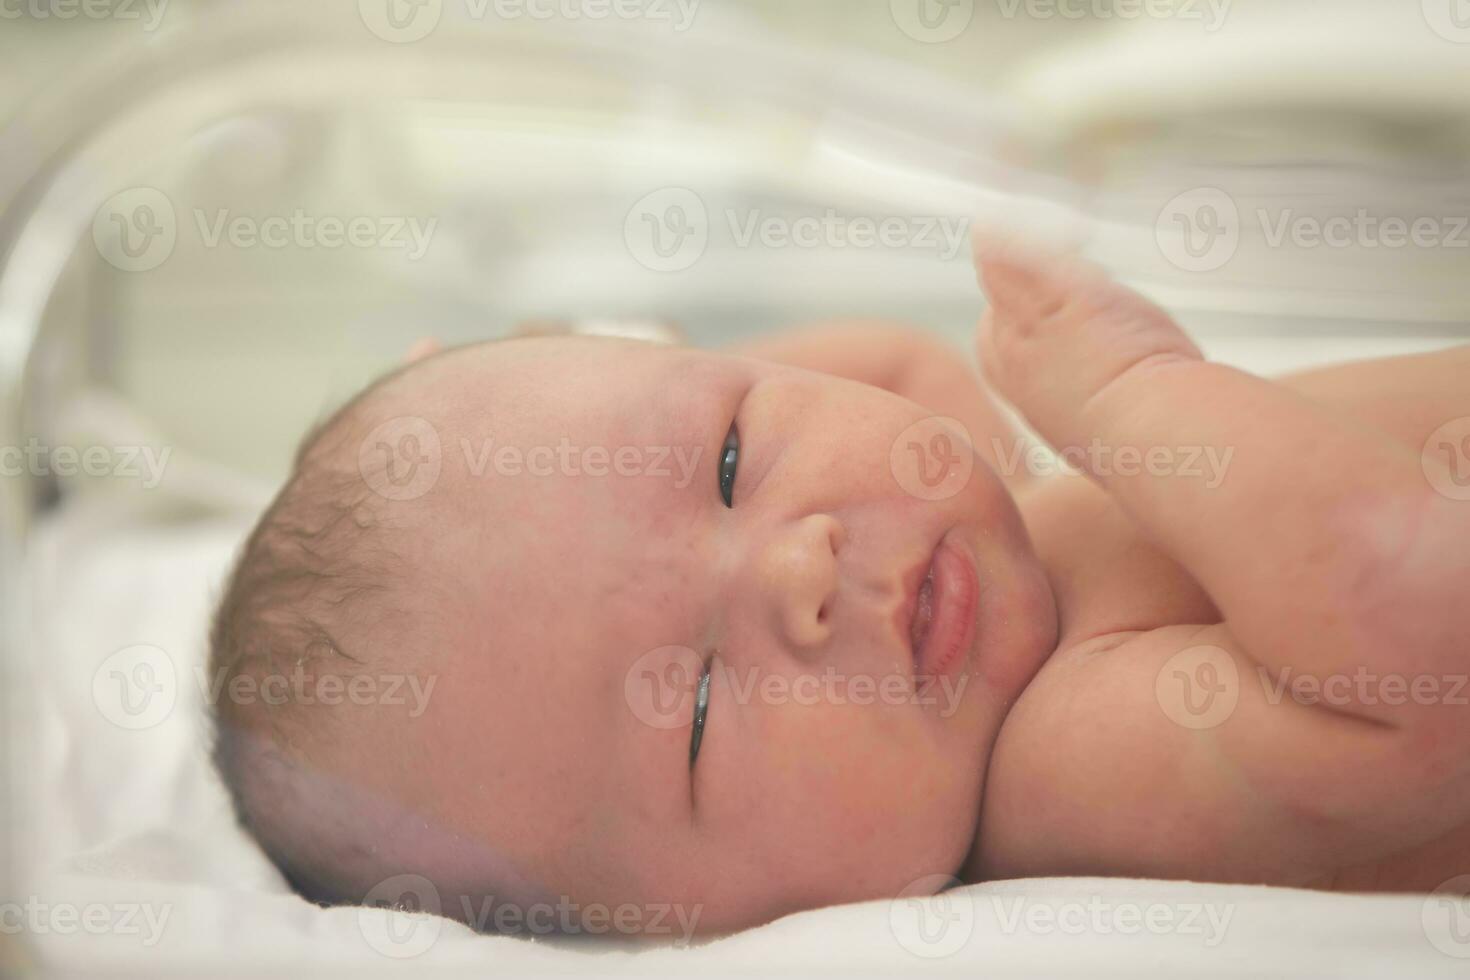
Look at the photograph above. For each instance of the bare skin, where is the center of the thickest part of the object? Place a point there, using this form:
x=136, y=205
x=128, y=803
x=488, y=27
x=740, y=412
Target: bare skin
x=1323, y=552
x=557, y=591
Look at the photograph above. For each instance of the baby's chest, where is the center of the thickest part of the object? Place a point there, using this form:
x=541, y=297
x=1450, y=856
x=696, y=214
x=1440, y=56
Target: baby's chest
x=1151, y=744
x=1102, y=749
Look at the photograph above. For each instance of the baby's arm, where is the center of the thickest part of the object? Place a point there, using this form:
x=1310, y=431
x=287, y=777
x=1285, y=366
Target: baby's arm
x=1324, y=546
x=1326, y=552
x=907, y=361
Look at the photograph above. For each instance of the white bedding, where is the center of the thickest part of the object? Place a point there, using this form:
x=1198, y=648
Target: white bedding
x=129, y=828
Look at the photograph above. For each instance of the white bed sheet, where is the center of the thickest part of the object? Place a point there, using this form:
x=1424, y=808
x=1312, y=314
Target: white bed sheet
x=115, y=818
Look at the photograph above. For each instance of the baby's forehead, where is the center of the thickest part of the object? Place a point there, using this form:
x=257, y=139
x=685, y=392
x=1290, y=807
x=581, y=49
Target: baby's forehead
x=558, y=385
x=574, y=461
x=571, y=473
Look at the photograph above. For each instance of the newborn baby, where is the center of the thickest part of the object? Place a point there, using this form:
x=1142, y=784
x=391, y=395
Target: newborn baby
x=749, y=634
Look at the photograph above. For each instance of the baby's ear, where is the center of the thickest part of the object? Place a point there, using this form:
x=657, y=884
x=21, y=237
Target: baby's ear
x=422, y=348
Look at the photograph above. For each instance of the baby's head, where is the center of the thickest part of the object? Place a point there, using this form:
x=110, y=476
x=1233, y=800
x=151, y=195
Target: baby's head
x=527, y=555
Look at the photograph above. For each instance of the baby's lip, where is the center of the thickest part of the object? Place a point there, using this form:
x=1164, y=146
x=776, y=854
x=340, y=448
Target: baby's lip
x=908, y=608
x=940, y=631
x=949, y=629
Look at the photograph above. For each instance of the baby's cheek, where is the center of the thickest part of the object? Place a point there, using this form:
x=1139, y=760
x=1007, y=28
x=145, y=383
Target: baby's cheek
x=840, y=760
x=839, y=803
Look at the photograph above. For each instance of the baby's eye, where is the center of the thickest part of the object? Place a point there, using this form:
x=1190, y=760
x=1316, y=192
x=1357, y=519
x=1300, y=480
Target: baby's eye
x=701, y=708
x=729, y=458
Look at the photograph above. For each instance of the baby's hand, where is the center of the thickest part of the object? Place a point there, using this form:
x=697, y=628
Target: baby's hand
x=1059, y=332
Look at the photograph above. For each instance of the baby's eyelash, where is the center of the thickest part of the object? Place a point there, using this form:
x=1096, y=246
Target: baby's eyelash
x=701, y=710
x=728, y=465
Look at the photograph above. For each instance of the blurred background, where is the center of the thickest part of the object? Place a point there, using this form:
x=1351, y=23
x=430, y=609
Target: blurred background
x=536, y=147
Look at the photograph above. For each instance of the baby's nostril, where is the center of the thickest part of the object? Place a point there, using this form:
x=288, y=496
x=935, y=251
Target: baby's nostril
x=822, y=614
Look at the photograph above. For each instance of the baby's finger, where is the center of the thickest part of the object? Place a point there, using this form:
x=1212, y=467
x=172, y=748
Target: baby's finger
x=1059, y=330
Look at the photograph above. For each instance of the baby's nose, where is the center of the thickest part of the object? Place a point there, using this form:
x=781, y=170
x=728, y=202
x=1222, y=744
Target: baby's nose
x=798, y=572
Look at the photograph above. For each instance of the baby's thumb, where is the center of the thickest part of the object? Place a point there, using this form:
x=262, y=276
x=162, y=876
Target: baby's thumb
x=1059, y=328
x=1033, y=287
x=1013, y=284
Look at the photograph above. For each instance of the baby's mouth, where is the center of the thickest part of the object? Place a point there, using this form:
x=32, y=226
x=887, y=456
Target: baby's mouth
x=923, y=615
x=943, y=612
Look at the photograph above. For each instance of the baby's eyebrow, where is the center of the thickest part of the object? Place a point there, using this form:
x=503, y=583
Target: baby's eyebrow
x=690, y=423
